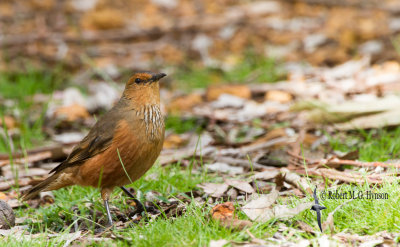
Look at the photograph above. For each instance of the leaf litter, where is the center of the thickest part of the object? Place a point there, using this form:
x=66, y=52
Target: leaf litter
x=257, y=188
x=261, y=141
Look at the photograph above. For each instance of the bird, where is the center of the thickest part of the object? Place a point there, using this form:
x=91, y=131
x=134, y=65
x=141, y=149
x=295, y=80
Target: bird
x=317, y=208
x=121, y=146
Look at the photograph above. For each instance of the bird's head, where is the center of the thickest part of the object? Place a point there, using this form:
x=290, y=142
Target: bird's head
x=143, y=87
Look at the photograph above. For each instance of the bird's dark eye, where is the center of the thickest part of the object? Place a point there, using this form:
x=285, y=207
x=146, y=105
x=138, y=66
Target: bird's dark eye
x=137, y=80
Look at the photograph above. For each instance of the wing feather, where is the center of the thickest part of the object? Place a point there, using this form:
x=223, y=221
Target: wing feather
x=97, y=141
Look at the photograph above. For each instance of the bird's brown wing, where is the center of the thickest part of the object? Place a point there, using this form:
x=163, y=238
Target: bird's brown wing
x=97, y=140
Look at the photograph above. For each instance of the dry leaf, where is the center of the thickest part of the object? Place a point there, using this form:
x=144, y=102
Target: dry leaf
x=184, y=103
x=218, y=243
x=71, y=113
x=224, y=213
x=103, y=19
x=173, y=141
x=215, y=190
x=279, y=96
x=283, y=211
x=225, y=168
x=9, y=122
x=3, y=196
x=296, y=180
x=259, y=208
x=227, y=100
x=265, y=175
x=304, y=226
x=241, y=185
x=389, y=118
x=242, y=91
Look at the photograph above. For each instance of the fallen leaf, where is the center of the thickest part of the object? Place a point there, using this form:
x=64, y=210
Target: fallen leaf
x=225, y=168
x=283, y=211
x=215, y=190
x=3, y=196
x=69, y=137
x=71, y=113
x=259, y=208
x=9, y=122
x=279, y=96
x=304, y=226
x=294, y=179
x=227, y=100
x=389, y=118
x=265, y=175
x=232, y=193
x=15, y=203
x=224, y=213
x=173, y=141
x=242, y=91
x=101, y=19
x=241, y=185
x=372, y=243
x=325, y=241
x=184, y=103
x=218, y=243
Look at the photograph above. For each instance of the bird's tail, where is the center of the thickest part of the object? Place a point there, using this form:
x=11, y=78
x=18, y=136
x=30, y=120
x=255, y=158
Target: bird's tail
x=42, y=186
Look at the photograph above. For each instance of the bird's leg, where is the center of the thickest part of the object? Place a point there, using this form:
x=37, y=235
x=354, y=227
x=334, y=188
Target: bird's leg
x=140, y=208
x=110, y=221
x=105, y=194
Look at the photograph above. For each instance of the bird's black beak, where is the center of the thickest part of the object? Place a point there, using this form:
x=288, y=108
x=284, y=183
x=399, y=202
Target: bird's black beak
x=158, y=76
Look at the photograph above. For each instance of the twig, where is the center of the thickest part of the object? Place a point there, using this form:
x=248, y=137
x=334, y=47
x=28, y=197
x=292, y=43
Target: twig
x=335, y=162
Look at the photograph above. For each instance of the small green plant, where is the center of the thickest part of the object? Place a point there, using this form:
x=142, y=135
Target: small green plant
x=181, y=125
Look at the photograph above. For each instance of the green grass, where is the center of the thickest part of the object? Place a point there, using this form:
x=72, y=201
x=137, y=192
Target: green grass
x=181, y=125
x=360, y=216
x=17, y=91
x=251, y=69
x=169, y=181
x=194, y=227
x=373, y=145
